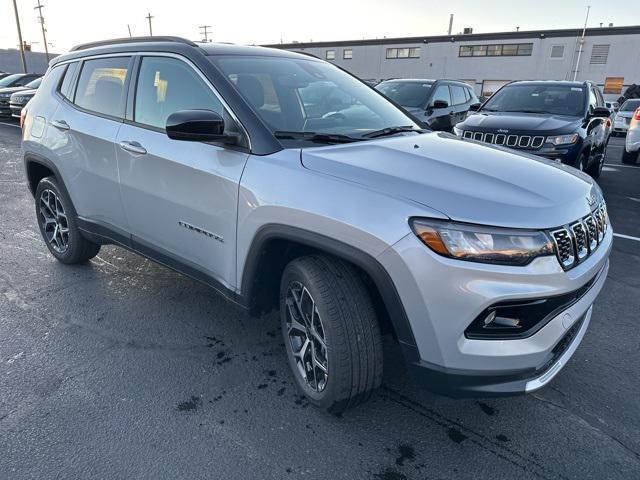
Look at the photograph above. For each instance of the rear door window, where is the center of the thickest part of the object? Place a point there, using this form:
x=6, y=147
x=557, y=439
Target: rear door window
x=67, y=82
x=168, y=85
x=457, y=95
x=101, y=86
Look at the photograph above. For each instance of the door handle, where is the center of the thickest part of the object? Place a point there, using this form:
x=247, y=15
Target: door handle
x=60, y=124
x=133, y=147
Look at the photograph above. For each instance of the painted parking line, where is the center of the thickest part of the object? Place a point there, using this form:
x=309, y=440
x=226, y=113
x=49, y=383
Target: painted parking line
x=628, y=237
x=10, y=124
x=617, y=165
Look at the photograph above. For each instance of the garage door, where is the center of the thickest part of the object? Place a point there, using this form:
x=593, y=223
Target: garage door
x=489, y=87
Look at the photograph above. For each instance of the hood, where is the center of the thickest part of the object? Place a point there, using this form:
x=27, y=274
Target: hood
x=467, y=181
x=625, y=114
x=25, y=93
x=521, y=123
x=12, y=89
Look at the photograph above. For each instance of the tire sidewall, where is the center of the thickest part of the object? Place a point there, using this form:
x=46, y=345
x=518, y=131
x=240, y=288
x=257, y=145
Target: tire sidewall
x=49, y=183
x=292, y=273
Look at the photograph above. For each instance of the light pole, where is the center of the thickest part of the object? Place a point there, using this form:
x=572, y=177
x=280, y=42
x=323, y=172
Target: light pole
x=44, y=35
x=149, y=17
x=24, y=60
x=584, y=31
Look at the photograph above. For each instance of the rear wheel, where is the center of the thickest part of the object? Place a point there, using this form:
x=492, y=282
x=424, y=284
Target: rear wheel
x=58, y=224
x=629, y=158
x=330, y=331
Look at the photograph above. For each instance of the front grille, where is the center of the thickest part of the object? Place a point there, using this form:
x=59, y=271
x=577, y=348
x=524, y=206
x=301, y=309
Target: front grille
x=512, y=141
x=577, y=241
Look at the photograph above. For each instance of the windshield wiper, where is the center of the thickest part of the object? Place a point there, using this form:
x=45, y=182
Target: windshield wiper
x=526, y=111
x=315, y=137
x=383, y=132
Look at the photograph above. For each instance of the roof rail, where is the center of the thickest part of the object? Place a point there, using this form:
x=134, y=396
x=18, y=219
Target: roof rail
x=117, y=41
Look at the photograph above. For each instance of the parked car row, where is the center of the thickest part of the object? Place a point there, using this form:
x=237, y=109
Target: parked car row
x=631, y=152
x=16, y=90
x=623, y=117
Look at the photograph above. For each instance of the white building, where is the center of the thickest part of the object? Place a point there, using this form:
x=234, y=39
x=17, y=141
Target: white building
x=610, y=56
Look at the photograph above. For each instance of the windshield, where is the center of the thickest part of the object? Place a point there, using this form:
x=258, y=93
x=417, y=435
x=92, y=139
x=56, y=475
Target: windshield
x=34, y=83
x=10, y=79
x=407, y=94
x=300, y=95
x=630, y=105
x=549, y=99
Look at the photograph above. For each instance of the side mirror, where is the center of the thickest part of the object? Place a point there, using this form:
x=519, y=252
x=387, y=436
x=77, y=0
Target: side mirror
x=600, y=112
x=474, y=107
x=439, y=104
x=198, y=126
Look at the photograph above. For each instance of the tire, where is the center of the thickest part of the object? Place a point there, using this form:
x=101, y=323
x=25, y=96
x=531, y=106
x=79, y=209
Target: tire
x=57, y=220
x=346, y=318
x=581, y=161
x=595, y=169
x=629, y=158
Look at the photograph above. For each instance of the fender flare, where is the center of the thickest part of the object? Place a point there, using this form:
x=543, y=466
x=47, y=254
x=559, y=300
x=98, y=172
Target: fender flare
x=31, y=158
x=363, y=260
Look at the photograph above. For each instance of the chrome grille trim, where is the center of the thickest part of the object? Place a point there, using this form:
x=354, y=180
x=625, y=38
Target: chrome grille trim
x=576, y=242
x=512, y=141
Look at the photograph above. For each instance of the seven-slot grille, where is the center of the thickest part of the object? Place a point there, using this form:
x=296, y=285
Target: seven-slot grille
x=577, y=241
x=512, y=141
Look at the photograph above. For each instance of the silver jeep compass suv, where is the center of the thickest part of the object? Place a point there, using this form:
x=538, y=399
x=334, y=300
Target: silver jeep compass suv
x=284, y=182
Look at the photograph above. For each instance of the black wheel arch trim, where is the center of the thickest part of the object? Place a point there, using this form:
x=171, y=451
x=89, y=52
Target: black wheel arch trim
x=33, y=158
x=366, y=262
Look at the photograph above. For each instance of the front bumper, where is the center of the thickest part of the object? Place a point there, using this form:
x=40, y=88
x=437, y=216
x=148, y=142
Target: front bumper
x=16, y=109
x=443, y=296
x=5, y=110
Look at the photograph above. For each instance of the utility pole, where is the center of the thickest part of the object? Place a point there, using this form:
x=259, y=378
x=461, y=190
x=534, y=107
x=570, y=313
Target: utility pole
x=450, y=23
x=149, y=17
x=205, y=31
x=584, y=31
x=129, y=28
x=44, y=35
x=24, y=60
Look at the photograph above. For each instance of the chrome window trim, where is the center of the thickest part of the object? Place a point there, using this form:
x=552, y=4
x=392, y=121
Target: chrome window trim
x=177, y=56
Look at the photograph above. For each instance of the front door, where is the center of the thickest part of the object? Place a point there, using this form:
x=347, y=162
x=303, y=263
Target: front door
x=180, y=197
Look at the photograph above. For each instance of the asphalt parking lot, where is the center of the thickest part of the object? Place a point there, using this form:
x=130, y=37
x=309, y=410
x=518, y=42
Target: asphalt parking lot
x=121, y=368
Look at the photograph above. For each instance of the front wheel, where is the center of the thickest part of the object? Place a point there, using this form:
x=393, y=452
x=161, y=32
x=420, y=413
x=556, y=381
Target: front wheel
x=58, y=224
x=330, y=331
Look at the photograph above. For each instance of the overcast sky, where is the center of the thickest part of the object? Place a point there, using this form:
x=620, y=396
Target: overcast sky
x=268, y=21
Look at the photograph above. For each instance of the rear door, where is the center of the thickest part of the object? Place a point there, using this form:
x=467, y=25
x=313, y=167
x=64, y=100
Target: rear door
x=85, y=124
x=181, y=197
x=459, y=103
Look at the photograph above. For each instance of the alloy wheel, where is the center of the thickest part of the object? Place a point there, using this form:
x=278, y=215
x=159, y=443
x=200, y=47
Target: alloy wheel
x=53, y=220
x=306, y=336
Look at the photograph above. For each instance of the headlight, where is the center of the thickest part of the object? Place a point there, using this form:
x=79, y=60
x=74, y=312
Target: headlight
x=458, y=131
x=563, y=139
x=476, y=243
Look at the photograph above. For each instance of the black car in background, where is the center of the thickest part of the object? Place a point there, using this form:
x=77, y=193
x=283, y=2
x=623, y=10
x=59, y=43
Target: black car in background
x=14, y=83
x=559, y=120
x=19, y=99
x=436, y=104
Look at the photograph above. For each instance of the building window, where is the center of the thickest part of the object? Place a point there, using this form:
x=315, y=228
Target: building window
x=599, y=54
x=347, y=54
x=613, y=85
x=496, y=50
x=557, y=51
x=403, y=52
x=330, y=55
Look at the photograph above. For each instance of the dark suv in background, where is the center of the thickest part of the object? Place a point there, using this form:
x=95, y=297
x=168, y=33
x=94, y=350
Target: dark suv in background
x=436, y=104
x=559, y=120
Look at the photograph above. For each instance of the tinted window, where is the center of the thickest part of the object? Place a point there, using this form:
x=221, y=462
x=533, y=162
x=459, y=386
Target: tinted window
x=166, y=86
x=66, y=85
x=407, y=94
x=457, y=95
x=9, y=80
x=593, y=100
x=553, y=99
x=34, y=83
x=630, y=105
x=101, y=85
x=441, y=93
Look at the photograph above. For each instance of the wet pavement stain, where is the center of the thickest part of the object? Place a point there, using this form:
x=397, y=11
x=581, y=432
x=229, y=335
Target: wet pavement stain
x=502, y=438
x=406, y=452
x=488, y=409
x=190, y=405
x=262, y=386
x=456, y=435
x=280, y=392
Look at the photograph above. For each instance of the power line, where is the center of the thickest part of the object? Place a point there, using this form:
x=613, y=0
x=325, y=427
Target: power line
x=44, y=36
x=204, y=30
x=149, y=17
